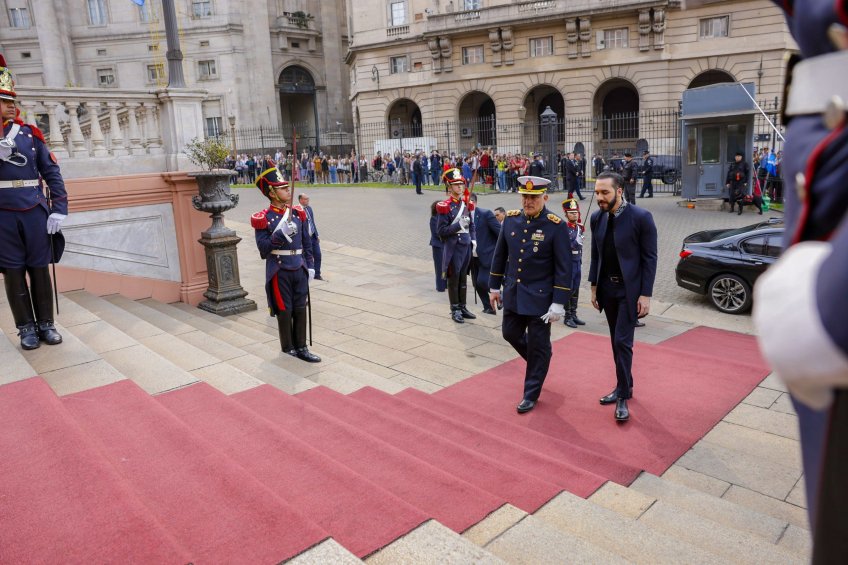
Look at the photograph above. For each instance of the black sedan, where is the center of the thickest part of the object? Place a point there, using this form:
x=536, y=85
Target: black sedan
x=725, y=264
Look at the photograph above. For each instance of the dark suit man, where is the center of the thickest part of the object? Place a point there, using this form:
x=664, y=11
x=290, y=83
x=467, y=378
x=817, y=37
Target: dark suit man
x=622, y=272
x=628, y=176
x=312, y=230
x=488, y=228
x=569, y=174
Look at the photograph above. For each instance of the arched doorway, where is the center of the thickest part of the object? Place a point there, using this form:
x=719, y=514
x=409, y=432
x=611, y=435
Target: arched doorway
x=536, y=101
x=617, y=109
x=713, y=76
x=404, y=119
x=299, y=106
x=477, y=121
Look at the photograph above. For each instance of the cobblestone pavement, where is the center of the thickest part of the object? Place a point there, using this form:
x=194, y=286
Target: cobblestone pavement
x=395, y=221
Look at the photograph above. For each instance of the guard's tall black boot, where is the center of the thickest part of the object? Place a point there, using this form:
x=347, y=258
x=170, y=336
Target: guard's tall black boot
x=284, y=327
x=302, y=352
x=568, y=319
x=574, y=318
x=17, y=294
x=463, y=294
x=453, y=297
x=42, y=302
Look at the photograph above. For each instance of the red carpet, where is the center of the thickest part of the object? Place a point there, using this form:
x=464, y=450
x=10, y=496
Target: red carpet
x=719, y=344
x=453, y=502
x=568, y=476
x=677, y=398
x=520, y=489
x=241, y=521
x=355, y=512
x=60, y=501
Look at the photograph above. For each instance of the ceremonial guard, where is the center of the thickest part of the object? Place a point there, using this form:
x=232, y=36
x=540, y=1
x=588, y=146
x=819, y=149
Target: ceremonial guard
x=456, y=230
x=800, y=305
x=647, y=175
x=737, y=182
x=575, y=235
x=33, y=204
x=285, y=244
x=628, y=174
x=533, y=264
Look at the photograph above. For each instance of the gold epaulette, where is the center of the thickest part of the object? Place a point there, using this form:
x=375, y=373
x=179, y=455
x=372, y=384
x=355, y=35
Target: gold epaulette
x=554, y=218
x=513, y=212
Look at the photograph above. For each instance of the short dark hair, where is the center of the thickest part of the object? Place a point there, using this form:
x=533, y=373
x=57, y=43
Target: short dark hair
x=473, y=196
x=617, y=181
x=500, y=209
x=628, y=154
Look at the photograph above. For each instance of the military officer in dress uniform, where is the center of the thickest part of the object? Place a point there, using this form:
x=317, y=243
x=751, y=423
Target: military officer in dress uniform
x=455, y=227
x=800, y=304
x=285, y=244
x=647, y=175
x=575, y=235
x=28, y=220
x=533, y=264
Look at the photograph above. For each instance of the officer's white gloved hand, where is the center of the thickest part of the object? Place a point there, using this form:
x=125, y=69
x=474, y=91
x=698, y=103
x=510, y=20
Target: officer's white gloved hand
x=288, y=228
x=464, y=222
x=311, y=274
x=555, y=313
x=54, y=222
x=474, y=247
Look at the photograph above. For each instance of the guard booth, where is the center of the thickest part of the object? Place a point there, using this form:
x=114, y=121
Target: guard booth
x=717, y=121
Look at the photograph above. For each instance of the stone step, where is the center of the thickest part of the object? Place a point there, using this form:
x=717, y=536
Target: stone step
x=15, y=365
x=616, y=530
x=432, y=544
x=534, y=542
x=717, y=509
x=328, y=552
x=733, y=545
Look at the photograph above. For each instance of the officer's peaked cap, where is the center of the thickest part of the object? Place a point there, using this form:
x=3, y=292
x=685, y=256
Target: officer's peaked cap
x=532, y=185
x=7, y=81
x=270, y=178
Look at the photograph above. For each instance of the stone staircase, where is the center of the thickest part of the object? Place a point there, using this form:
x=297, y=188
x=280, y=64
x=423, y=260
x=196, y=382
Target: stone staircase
x=676, y=518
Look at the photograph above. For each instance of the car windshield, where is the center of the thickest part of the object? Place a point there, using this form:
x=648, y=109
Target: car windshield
x=739, y=231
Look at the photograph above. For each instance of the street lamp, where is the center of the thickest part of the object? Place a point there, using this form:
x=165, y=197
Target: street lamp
x=232, y=120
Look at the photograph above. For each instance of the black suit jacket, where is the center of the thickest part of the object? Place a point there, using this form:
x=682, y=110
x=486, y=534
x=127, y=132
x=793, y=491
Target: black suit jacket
x=636, y=247
x=488, y=230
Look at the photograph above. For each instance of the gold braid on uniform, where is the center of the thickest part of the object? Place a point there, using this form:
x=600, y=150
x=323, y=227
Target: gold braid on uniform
x=554, y=218
x=513, y=212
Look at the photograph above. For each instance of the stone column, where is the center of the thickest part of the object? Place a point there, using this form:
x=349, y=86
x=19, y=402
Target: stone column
x=153, y=135
x=57, y=142
x=49, y=31
x=98, y=145
x=256, y=94
x=77, y=139
x=115, y=136
x=181, y=120
x=331, y=43
x=132, y=125
x=28, y=112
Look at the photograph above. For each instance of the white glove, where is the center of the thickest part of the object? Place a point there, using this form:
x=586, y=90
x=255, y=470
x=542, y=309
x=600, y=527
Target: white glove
x=311, y=274
x=555, y=312
x=54, y=222
x=288, y=228
x=474, y=247
x=464, y=222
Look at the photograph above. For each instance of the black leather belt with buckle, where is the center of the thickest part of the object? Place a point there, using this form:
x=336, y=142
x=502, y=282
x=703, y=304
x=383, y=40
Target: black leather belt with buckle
x=615, y=279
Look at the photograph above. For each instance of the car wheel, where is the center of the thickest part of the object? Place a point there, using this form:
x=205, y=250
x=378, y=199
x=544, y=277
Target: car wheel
x=670, y=176
x=730, y=294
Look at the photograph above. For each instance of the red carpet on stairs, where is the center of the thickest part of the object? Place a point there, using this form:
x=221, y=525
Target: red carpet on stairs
x=678, y=397
x=517, y=487
x=208, y=503
x=719, y=344
x=355, y=512
x=60, y=501
x=577, y=480
x=455, y=503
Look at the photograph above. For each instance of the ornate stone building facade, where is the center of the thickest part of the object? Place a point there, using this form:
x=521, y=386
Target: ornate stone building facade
x=438, y=61
x=261, y=61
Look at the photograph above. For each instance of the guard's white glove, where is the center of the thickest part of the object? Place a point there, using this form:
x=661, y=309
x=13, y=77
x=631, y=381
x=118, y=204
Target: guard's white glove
x=54, y=222
x=495, y=300
x=555, y=313
x=474, y=247
x=311, y=274
x=464, y=222
x=287, y=228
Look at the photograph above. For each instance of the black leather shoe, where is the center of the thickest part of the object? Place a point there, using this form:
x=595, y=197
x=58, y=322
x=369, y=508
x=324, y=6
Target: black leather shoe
x=29, y=337
x=622, y=414
x=577, y=320
x=318, y=278
x=305, y=355
x=488, y=310
x=292, y=352
x=466, y=313
x=639, y=324
x=610, y=398
x=456, y=316
x=48, y=334
x=525, y=406
x=570, y=322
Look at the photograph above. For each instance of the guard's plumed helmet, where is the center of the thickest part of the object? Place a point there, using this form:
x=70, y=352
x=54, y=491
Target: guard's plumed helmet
x=570, y=205
x=453, y=176
x=271, y=178
x=7, y=81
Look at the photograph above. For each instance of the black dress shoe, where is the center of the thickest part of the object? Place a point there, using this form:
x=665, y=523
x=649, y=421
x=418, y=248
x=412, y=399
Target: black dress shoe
x=525, y=406
x=570, y=322
x=292, y=352
x=610, y=398
x=639, y=324
x=466, y=313
x=577, y=320
x=622, y=414
x=29, y=337
x=48, y=334
x=456, y=316
x=488, y=310
x=305, y=355
x=318, y=278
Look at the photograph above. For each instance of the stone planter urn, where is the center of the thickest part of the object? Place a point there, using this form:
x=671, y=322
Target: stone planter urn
x=225, y=295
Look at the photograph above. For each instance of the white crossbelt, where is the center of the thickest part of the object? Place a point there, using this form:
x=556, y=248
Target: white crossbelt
x=286, y=251
x=815, y=81
x=18, y=183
